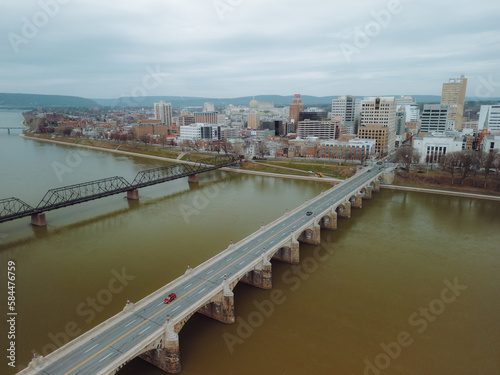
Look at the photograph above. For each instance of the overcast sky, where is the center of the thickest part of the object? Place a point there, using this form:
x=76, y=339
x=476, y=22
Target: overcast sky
x=231, y=48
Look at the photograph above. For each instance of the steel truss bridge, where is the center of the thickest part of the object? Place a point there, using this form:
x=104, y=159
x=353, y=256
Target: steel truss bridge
x=14, y=208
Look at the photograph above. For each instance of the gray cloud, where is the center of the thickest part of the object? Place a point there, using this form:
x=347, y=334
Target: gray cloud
x=103, y=49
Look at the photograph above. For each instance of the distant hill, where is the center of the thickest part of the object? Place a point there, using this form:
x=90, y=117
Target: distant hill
x=278, y=100
x=29, y=101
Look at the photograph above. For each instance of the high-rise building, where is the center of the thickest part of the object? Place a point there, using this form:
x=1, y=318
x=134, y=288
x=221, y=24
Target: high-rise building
x=295, y=108
x=163, y=112
x=453, y=94
x=489, y=118
x=435, y=118
x=348, y=108
x=379, y=112
x=253, y=121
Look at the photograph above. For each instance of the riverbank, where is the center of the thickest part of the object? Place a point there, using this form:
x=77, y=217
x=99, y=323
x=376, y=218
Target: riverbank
x=137, y=151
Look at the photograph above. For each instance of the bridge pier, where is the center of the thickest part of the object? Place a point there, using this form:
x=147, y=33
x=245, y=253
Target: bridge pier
x=133, y=194
x=329, y=222
x=357, y=202
x=311, y=236
x=376, y=188
x=260, y=277
x=38, y=220
x=344, y=210
x=368, y=193
x=288, y=254
x=194, y=178
x=167, y=357
x=223, y=311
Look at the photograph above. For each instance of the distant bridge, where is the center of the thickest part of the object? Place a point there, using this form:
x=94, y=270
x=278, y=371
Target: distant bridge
x=14, y=208
x=9, y=128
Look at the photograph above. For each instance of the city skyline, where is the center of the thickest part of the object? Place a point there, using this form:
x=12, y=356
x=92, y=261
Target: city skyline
x=234, y=48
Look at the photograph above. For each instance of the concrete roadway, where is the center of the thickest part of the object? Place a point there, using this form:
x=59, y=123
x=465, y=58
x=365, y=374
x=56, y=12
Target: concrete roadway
x=95, y=354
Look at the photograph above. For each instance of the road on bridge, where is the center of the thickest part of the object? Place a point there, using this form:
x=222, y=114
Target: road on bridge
x=94, y=354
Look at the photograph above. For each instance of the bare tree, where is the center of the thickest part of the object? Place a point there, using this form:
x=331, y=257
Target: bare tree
x=145, y=138
x=449, y=163
x=237, y=149
x=489, y=162
x=466, y=163
x=262, y=149
x=226, y=146
x=407, y=156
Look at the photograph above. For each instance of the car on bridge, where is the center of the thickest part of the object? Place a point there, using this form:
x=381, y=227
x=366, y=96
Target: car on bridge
x=170, y=298
x=309, y=213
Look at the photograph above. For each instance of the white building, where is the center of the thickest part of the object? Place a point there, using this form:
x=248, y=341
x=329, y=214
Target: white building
x=435, y=118
x=163, y=112
x=489, y=118
x=348, y=108
x=327, y=129
x=197, y=131
x=490, y=142
x=434, y=145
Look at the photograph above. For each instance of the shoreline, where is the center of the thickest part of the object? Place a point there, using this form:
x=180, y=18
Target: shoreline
x=278, y=175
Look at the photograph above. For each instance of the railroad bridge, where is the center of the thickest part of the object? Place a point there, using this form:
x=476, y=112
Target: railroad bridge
x=149, y=329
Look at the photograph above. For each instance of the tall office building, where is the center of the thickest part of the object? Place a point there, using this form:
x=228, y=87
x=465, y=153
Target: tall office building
x=435, y=118
x=378, y=114
x=163, y=112
x=253, y=121
x=295, y=108
x=454, y=95
x=348, y=108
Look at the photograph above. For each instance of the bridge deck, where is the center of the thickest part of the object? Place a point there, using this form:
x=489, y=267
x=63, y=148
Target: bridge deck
x=116, y=341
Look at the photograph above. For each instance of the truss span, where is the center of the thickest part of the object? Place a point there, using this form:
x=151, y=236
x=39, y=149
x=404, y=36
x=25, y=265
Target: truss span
x=14, y=208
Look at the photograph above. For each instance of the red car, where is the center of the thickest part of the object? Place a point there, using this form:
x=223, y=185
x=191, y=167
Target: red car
x=170, y=298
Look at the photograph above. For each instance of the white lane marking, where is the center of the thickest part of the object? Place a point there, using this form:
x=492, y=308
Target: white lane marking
x=161, y=303
x=201, y=290
x=105, y=357
x=187, y=286
x=144, y=330
x=131, y=322
x=270, y=243
x=89, y=349
x=176, y=308
x=241, y=262
x=209, y=272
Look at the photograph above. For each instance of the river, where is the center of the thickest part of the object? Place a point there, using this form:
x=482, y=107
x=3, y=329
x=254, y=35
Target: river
x=408, y=285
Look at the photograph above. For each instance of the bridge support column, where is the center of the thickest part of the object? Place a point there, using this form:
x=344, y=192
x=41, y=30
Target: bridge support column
x=358, y=201
x=194, y=178
x=289, y=254
x=329, y=222
x=38, y=220
x=133, y=194
x=368, y=193
x=168, y=357
x=222, y=311
x=311, y=236
x=376, y=188
x=345, y=211
x=261, y=276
